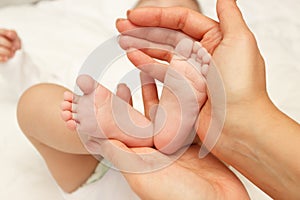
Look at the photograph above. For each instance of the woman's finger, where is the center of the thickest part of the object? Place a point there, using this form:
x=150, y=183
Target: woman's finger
x=126, y=160
x=188, y=21
x=124, y=93
x=149, y=93
x=231, y=19
x=148, y=65
x=158, y=35
x=155, y=50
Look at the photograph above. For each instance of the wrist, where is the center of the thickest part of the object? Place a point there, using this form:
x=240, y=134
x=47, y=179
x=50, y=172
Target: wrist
x=244, y=126
x=262, y=143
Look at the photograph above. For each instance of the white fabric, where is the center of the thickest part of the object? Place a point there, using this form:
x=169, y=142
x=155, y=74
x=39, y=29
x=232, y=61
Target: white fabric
x=58, y=35
x=112, y=186
x=16, y=2
x=17, y=75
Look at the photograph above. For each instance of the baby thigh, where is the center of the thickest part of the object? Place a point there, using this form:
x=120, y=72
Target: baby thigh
x=39, y=118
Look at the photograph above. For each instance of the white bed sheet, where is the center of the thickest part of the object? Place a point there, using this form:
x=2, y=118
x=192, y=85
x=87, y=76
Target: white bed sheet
x=58, y=35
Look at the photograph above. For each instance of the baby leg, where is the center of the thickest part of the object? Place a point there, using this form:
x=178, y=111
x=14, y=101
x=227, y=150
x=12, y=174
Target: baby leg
x=39, y=118
x=183, y=95
x=100, y=114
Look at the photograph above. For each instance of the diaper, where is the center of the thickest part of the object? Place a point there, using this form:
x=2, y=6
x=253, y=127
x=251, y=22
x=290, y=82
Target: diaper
x=99, y=172
x=104, y=184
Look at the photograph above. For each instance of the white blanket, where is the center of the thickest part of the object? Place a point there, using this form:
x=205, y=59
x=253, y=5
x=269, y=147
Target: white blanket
x=58, y=35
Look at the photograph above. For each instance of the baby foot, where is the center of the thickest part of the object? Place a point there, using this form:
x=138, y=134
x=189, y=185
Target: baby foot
x=195, y=54
x=93, y=115
x=83, y=116
x=183, y=95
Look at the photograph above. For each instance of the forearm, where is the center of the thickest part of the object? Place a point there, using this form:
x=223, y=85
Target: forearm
x=266, y=150
x=192, y=4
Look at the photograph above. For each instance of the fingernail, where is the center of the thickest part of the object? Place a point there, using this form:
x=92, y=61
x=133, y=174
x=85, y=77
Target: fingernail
x=128, y=12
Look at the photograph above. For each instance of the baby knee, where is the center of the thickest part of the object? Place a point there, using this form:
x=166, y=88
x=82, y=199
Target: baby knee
x=34, y=101
x=29, y=99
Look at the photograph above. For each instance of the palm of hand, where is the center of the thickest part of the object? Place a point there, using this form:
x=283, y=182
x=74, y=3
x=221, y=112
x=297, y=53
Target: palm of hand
x=190, y=178
x=241, y=67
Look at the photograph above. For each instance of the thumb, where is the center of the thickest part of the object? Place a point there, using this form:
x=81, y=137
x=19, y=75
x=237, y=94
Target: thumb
x=128, y=160
x=230, y=16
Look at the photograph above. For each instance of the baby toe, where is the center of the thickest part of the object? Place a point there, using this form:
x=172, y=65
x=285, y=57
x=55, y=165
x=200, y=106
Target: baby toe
x=86, y=84
x=196, y=47
x=184, y=47
x=204, y=69
x=201, y=52
x=71, y=124
x=206, y=58
x=66, y=105
x=66, y=115
x=68, y=96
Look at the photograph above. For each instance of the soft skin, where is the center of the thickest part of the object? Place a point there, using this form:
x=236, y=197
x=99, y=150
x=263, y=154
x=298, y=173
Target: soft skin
x=9, y=44
x=252, y=140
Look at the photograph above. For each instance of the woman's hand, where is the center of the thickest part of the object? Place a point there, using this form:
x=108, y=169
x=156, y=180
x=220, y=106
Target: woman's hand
x=251, y=135
x=232, y=45
x=187, y=178
x=153, y=175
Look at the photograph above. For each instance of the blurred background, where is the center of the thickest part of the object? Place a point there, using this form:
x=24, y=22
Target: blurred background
x=58, y=35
